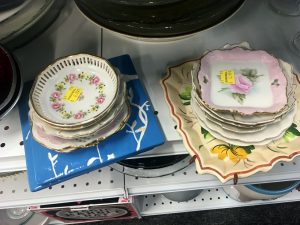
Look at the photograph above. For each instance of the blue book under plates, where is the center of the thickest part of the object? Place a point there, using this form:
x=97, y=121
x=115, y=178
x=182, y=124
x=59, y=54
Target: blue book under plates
x=46, y=167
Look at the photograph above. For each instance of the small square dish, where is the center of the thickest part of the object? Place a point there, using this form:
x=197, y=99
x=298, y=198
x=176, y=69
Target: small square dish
x=234, y=80
x=253, y=120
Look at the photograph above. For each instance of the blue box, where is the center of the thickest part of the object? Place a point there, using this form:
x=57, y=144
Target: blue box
x=141, y=133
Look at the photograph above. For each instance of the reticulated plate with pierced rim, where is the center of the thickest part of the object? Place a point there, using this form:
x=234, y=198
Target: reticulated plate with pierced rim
x=87, y=131
x=75, y=91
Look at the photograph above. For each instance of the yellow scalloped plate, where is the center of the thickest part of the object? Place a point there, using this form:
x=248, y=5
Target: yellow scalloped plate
x=213, y=156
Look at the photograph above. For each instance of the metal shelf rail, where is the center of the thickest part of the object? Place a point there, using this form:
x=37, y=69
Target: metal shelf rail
x=209, y=199
x=189, y=179
x=99, y=184
x=216, y=198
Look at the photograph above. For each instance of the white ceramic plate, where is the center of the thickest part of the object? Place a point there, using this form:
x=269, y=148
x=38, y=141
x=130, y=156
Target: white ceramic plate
x=252, y=120
x=67, y=145
x=233, y=80
x=75, y=91
x=234, y=126
x=271, y=132
x=226, y=126
x=86, y=131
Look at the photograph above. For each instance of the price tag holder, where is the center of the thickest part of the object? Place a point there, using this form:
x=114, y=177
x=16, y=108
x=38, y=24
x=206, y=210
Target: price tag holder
x=73, y=94
x=227, y=76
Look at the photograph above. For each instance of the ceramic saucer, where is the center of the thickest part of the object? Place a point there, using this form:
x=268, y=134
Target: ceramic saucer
x=75, y=91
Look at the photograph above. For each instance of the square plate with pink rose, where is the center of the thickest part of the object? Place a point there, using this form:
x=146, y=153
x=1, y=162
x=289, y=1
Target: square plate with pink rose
x=242, y=81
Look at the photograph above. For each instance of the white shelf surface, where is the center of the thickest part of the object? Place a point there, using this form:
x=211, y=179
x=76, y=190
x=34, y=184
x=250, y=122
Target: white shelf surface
x=189, y=179
x=99, y=184
x=11, y=143
x=151, y=205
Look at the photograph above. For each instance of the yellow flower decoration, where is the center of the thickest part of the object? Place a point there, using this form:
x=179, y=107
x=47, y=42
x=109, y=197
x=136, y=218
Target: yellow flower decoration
x=101, y=88
x=83, y=76
x=233, y=152
x=94, y=108
x=60, y=86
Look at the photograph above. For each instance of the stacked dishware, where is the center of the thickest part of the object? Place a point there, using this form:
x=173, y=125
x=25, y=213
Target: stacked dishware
x=76, y=102
x=243, y=96
x=10, y=82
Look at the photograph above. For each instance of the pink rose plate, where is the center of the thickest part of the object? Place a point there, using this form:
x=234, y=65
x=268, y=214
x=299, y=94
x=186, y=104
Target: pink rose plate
x=242, y=81
x=224, y=160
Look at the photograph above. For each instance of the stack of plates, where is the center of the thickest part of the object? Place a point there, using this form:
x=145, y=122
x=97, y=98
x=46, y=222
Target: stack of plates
x=10, y=82
x=243, y=97
x=77, y=102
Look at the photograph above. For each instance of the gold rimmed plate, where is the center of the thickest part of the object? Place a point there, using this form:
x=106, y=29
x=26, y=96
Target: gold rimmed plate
x=262, y=137
x=66, y=145
x=254, y=120
x=87, y=131
x=213, y=156
x=232, y=80
x=75, y=91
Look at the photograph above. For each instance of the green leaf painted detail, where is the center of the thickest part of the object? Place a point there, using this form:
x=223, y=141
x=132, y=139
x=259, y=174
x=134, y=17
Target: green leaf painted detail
x=206, y=134
x=223, y=89
x=275, y=82
x=239, y=97
x=249, y=148
x=186, y=93
x=291, y=133
x=251, y=74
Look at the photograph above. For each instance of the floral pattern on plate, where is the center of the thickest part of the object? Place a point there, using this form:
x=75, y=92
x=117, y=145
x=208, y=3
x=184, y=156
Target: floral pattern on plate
x=57, y=97
x=250, y=120
x=66, y=145
x=238, y=154
x=245, y=80
x=75, y=91
x=233, y=79
x=89, y=130
x=214, y=156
